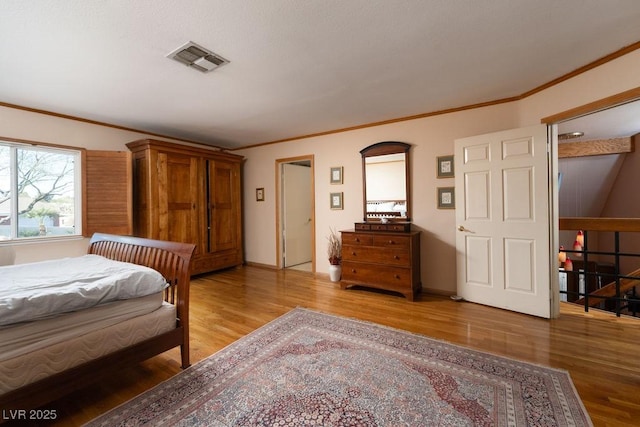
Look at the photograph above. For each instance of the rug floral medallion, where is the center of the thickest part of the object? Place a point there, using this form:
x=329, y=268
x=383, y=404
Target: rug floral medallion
x=309, y=368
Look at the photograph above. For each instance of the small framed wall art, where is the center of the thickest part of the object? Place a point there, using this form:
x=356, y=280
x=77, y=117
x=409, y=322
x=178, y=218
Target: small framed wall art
x=445, y=167
x=336, y=175
x=335, y=200
x=259, y=194
x=446, y=198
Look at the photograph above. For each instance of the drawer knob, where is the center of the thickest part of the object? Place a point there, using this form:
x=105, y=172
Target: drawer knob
x=391, y=242
x=353, y=253
x=396, y=276
x=396, y=257
x=357, y=239
x=353, y=270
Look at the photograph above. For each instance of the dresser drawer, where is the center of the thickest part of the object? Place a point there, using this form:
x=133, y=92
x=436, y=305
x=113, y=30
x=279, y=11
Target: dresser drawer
x=357, y=239
x=392, y=240
x=387, y=277
x=361, y=226
x=382, y=259
x=377, y=255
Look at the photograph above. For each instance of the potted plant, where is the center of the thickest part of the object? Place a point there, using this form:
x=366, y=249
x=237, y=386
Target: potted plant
x=334, y=251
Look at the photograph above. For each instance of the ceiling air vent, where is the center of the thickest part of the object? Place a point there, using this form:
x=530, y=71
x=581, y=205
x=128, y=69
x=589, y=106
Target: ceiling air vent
x=197, y=57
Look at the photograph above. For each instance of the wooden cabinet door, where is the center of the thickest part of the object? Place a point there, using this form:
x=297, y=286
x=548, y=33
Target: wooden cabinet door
x=223, y=186
x=191, y=195
x=178, y=190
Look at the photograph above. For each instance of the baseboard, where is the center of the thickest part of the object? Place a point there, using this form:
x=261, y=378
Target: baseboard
x=325, y=276
x=439, y=292
x=259, y=265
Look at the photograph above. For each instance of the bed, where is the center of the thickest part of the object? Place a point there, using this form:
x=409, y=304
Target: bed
x=44, y=359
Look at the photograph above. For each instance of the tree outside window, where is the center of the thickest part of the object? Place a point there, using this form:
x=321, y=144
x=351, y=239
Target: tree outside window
x=37, y=191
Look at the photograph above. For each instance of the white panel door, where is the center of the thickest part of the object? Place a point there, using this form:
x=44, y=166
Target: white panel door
x=502, y=219
x=296, y=196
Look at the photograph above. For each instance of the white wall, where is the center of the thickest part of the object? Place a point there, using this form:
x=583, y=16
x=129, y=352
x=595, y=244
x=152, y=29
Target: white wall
x=25, y=125
x=623, y=202
x=430, y=137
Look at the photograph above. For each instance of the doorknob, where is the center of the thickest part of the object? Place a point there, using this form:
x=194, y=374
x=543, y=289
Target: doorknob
x=461, y=228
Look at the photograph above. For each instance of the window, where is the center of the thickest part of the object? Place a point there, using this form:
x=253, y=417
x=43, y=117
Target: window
x=39, y=192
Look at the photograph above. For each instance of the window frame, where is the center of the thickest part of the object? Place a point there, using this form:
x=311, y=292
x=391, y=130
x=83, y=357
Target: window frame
x=78, y=186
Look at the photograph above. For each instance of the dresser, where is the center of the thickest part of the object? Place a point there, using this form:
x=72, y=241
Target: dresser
x=382, y=259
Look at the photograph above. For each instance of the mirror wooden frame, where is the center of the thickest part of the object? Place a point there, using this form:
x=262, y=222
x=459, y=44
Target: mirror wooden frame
x=380, y=149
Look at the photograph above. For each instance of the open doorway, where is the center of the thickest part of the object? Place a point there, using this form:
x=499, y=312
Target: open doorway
x=598, y=171
x=295, y=213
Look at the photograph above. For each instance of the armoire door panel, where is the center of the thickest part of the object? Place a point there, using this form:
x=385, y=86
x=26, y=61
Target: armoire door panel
x=223, y=232
x=178, y=217
x=189, y=194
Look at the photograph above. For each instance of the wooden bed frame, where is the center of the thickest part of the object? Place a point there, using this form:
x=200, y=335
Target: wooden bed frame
x=172, y=260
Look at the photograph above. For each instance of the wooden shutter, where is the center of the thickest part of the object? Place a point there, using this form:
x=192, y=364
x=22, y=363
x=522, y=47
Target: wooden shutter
x=107, y=192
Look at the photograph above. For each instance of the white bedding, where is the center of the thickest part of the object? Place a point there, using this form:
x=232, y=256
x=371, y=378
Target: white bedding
x=38, y=290
x=27, y=337
x=27, y=368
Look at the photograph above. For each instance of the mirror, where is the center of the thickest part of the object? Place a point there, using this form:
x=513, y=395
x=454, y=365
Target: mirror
x=385, y=178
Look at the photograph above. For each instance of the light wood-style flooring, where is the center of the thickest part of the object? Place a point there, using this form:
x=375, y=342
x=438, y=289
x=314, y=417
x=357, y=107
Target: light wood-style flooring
x=601, y=351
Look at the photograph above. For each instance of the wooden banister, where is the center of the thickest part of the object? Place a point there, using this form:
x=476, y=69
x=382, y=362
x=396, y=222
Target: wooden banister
x=615, y=225
x=600, y=224
x=609, y=290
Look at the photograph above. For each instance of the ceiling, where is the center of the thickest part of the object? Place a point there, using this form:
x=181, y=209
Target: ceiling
x=296, y=67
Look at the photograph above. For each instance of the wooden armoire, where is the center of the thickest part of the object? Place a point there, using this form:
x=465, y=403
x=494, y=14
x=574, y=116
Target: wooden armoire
x=189, y=194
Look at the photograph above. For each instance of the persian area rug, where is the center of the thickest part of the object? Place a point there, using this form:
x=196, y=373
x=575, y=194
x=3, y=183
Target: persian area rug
x=309, y=368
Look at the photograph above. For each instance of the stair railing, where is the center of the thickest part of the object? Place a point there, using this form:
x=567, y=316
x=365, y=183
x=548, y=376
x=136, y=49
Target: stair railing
x=618, y=288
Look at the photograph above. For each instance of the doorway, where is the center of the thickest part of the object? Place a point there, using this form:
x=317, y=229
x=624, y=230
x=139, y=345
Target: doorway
x=597, y=166
x=484, y=270
x=295, y=213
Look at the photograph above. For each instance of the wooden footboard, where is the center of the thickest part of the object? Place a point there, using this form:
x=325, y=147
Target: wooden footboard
x=172, y=260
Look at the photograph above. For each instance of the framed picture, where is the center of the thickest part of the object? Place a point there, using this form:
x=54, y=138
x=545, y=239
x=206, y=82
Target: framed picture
x=446, y=198
x=259, y=194
x=335, y=201
x=336, y=175
x=445, y=167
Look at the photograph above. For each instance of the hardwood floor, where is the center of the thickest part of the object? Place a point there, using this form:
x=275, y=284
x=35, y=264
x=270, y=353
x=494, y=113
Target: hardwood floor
x=599, y=350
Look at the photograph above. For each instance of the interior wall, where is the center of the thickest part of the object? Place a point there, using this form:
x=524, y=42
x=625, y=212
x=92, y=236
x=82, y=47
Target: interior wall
x=430, y=137
x=586, y=184
x=30, y=126
x=609, y=79
x=624, y=203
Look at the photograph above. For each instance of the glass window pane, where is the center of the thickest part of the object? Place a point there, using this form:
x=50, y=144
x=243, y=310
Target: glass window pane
x=45, y=193
x=5, y=193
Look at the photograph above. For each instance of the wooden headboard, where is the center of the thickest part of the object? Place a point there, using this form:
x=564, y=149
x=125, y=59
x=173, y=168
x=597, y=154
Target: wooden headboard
x=171, y=259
